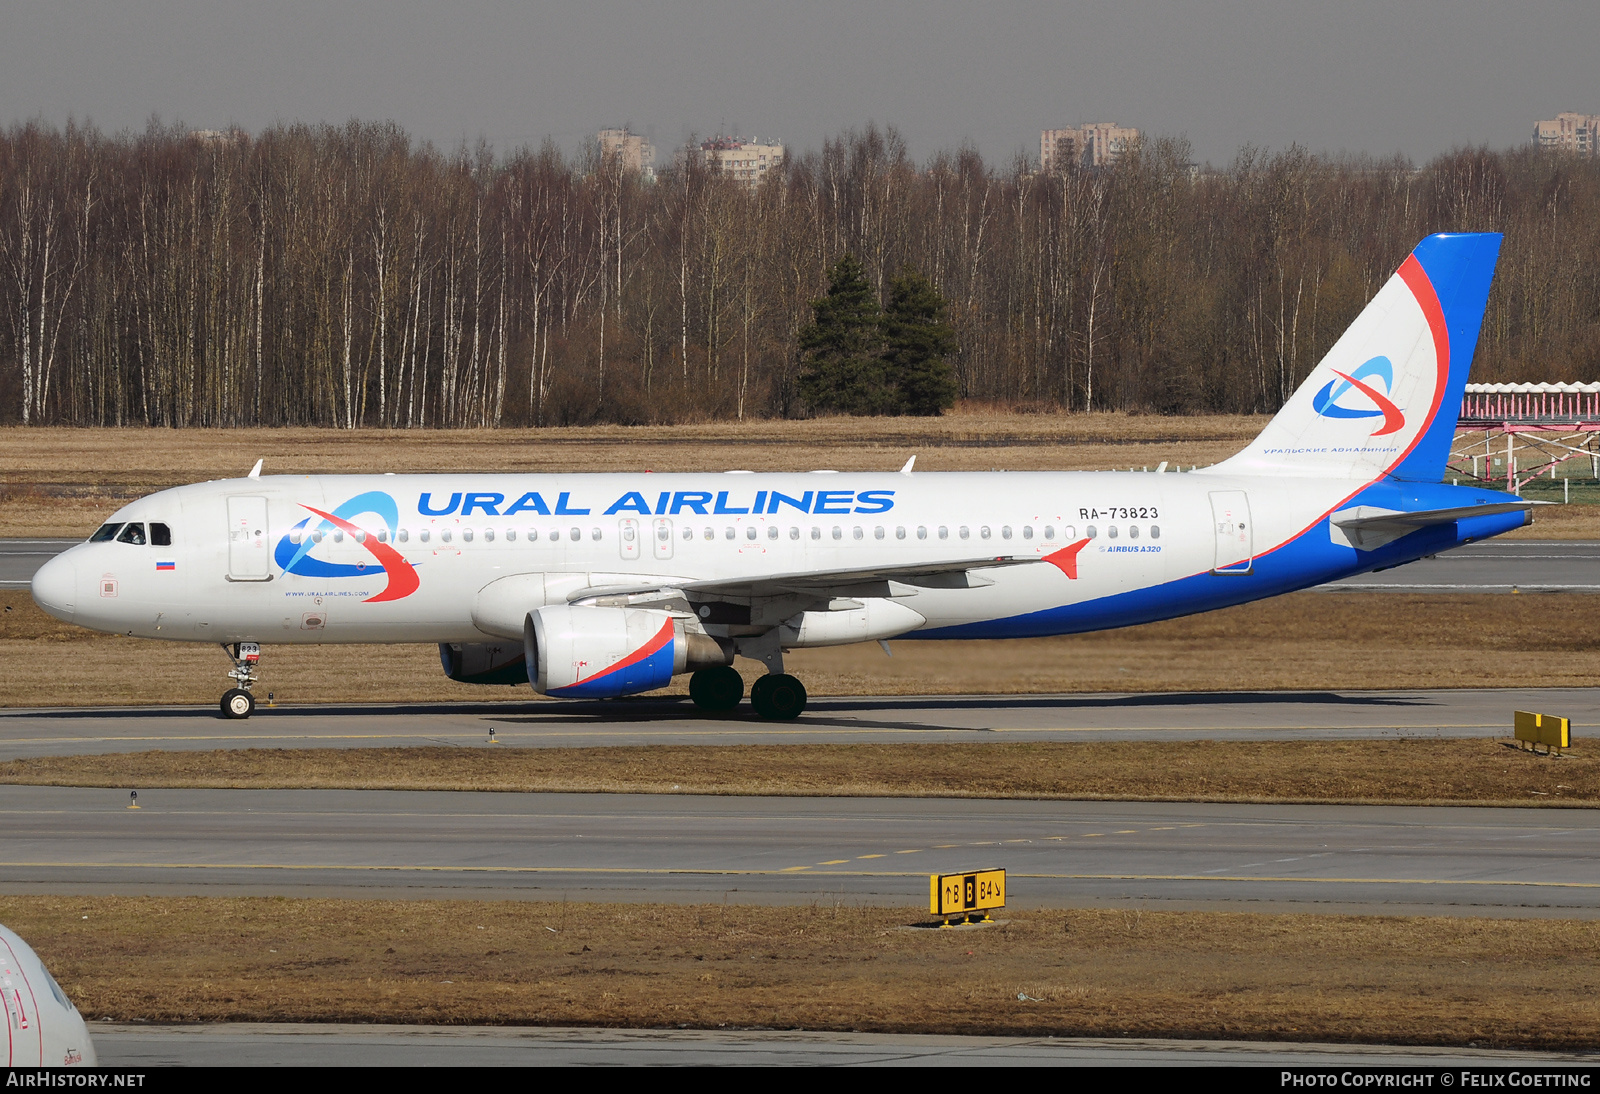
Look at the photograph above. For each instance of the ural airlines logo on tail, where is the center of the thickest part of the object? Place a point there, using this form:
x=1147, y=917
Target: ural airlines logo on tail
x=1327, y=402
x=299, y=557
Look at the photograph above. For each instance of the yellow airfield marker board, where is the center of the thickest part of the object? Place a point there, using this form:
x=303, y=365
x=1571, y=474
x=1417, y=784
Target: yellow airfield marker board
x=973, y=891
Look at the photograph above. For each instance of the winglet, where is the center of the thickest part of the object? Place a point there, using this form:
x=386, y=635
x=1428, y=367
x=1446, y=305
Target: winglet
x=906, y=470
x=255, y=472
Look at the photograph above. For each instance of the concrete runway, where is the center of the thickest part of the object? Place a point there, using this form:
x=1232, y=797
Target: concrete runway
x=248, y=1044
x=1315, y=715
x=617, y=847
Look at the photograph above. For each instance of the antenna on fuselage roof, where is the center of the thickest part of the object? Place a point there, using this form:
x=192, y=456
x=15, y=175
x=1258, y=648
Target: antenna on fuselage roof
x=255, y=472
x=906, y=470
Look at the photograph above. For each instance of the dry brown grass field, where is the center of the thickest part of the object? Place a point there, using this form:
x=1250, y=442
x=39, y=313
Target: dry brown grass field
x=1347, y=640
x=1412, y=771
x=1524, y=983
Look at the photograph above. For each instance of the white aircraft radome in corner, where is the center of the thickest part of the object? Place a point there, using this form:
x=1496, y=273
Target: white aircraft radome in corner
x=599, y=586
x=43, y=1028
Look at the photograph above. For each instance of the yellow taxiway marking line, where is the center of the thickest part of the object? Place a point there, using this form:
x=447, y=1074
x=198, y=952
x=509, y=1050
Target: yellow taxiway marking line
x=915, y=851
x=644, y=872
x=1092, y=835
x=834, y=862
x=860, y=857
x=793, y=869
x=1126, y=832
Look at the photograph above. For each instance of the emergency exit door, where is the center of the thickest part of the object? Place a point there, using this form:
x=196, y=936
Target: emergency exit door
x=249, y=553
x=1234, y=532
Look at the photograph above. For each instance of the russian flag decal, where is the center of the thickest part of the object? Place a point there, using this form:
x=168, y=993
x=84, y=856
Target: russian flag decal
x=166, y=565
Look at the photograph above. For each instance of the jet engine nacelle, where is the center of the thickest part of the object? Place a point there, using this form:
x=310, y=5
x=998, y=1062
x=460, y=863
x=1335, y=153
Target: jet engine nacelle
x=43, y=1029
x=582, y=651
x=484, y=663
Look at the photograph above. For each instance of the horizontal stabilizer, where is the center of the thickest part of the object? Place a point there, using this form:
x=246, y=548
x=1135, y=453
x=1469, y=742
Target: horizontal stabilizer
x=1367, y=527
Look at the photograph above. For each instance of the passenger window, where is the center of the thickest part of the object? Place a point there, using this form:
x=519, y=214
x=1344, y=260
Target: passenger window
x=1049, y=531
x=338, y=535
x=1090, y=532
x=444, y=535
x=105, y=533
x=984, y=532
x=132, y=533
x=1111, y=531
x=575, y=534
x=555, y=535
x=361, y=537
x=1005, y=531
x=772, y=533
x=750, y=532
x=466, y=535
x=944, y=533
x=488, y=535
x=728, y=534
x=794, y=533
x=900, y=532
x=857, y=532
x=594, y=535
x=1069, y=533
x=877, y=533
x=922, y=531
x=965, y=533
x=688, y=533
x=711, y=533
x=160, y=535
x=816, y=533
x=1155, y=531
x=383, y=535
x=1027, y=531
x=838, y=533
x=402, y=535
x=1133, y=531
x=422, y=535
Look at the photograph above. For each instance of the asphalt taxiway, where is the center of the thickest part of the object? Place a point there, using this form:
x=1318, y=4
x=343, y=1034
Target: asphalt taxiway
x=783, y=850
x=1165, y=716
x=249, y=1044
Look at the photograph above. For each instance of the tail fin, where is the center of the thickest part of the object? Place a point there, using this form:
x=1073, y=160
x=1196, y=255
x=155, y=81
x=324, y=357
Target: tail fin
x=1384, y=401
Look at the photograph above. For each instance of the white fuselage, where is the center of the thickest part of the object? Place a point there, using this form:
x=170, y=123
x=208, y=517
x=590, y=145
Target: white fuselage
x=218, y=582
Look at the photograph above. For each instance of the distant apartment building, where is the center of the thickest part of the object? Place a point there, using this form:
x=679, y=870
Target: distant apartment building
x=1099, y=144
x=1569, y=132
x=744, y=161
x=636, y=153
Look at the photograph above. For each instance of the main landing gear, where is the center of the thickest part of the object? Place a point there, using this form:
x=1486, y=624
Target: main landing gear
x=238, y=702
x=777, y=697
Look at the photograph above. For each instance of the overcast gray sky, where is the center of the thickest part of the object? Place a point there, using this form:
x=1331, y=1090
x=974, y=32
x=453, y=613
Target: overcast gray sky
x=1379, y=76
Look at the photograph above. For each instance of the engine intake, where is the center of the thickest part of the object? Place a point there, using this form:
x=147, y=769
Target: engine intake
x=582, y=651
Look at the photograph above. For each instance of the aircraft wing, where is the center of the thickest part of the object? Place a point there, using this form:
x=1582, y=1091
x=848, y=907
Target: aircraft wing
x=1367, y=528
x=807, y=587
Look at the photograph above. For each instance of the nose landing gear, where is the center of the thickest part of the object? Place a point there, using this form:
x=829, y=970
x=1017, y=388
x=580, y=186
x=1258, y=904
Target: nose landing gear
x=238, y=702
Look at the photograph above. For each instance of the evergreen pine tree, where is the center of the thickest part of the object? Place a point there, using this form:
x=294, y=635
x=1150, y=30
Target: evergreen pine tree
x=917, y=344
x=843, y=368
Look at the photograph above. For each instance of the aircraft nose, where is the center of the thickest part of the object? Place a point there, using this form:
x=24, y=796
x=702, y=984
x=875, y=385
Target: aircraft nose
x=55, y=588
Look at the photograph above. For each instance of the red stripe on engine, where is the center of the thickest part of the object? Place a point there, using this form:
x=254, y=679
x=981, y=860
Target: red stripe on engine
x=649, y=649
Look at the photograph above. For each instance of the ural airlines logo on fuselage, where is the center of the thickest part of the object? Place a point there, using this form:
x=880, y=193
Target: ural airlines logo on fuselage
x=296, y=551
x=1328, y=402
x=666, y=503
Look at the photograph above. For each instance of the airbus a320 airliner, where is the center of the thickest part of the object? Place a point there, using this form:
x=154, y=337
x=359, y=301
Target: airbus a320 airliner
x=599, y=586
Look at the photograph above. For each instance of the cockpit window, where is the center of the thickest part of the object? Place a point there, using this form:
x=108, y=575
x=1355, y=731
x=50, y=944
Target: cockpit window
x=105, y=533
x=160, y=535
x=132, y=533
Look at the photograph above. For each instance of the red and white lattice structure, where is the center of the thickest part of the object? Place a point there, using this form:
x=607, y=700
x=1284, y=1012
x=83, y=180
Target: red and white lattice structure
x=1521, y=431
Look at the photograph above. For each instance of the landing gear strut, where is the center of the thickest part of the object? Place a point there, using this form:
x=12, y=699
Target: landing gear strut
x=238, y=702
